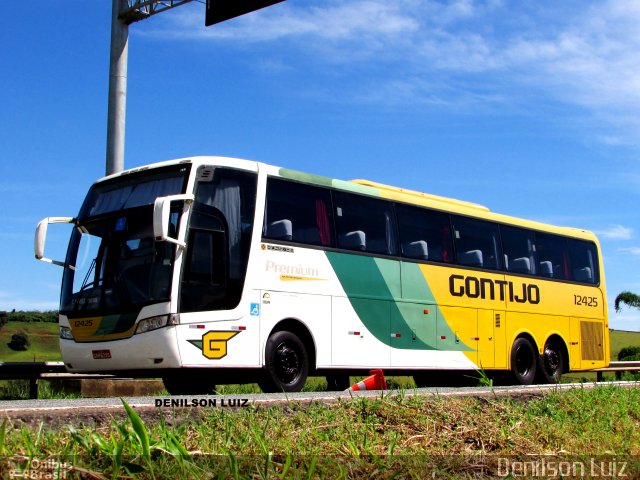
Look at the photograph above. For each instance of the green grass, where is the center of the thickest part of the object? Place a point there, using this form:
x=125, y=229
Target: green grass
x=19, y=390
x=43, y=338
x=385, y=437
x=621, y=339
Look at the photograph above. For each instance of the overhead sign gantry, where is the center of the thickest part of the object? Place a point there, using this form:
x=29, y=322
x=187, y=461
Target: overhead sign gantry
x=221, y=10
x=126, y=12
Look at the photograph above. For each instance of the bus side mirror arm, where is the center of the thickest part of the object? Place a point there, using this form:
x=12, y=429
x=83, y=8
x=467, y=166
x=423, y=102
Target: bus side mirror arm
x=161, y=213
x=41, y=236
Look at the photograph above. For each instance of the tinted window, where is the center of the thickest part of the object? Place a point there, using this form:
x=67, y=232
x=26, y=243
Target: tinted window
x=220, y=230
x=424, y=234
x=518, y=246
x=133, y=190
x=477, y=243
x=583, y=261
x=364, y=224
x=552, y=256
x=297, y=213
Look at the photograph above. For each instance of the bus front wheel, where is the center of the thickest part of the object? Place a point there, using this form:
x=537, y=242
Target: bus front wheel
x=524, y=362
x=286, y=364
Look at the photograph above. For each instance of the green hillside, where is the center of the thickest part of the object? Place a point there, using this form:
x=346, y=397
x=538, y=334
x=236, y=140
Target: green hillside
x=43, y=339
x=621, y=339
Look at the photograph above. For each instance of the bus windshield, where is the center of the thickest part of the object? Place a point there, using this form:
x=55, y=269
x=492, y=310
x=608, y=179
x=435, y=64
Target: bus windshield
x=113, y=262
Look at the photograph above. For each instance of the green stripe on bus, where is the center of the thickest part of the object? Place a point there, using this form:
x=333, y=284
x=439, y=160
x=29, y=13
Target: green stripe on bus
x=328, y=182
x=373, y=288
x=118, y=323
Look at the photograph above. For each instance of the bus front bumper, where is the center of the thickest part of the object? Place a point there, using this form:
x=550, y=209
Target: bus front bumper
x=154, y=350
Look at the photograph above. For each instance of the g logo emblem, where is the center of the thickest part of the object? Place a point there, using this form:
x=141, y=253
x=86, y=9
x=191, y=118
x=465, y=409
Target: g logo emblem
x=214, y=344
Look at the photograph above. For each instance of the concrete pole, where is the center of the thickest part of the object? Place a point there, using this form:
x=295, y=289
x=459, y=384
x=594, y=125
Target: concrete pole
x=117, y=89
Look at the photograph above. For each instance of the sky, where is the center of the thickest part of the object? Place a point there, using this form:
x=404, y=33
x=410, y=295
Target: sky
x=531, y=108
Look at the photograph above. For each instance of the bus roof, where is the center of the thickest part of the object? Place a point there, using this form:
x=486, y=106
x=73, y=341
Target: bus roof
x=369, y=187
x=467, y=208
x=372, y=188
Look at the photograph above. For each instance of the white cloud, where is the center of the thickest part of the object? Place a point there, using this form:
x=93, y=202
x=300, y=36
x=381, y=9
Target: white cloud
x=616, y=232
x=585, y=54
x=333, y=21
x=633, y=251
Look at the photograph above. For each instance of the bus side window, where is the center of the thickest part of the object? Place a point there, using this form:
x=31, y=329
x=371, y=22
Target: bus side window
x=477, y=243
x=553, y=256
x=519, y=251
x=296, y=212
x=365, y=224
x=584, y=267
x=424, y=234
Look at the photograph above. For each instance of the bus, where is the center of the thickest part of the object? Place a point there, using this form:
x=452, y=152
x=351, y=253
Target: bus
x=212, y=270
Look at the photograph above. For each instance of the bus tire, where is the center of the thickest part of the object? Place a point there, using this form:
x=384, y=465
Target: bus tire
x=524, y=362
x=286, y=364
x=551, y=364
x=188, y=383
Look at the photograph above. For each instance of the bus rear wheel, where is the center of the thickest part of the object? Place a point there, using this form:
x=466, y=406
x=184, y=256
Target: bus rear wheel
x=551, y=364
x=286, y=364
x=524, y=362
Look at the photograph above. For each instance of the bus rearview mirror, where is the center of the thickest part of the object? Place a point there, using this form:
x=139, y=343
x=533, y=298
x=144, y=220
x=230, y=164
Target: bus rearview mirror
x=41, y=236
x=161, y=214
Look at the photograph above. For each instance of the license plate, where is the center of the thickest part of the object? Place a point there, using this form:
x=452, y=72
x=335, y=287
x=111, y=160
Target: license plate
x=100, y=354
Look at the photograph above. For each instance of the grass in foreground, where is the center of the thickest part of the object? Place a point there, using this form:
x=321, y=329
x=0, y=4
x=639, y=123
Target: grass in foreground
x=384, y=437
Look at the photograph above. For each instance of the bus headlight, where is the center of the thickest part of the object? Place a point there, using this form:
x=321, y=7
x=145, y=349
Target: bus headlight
x=154, y=323
x=65, y=332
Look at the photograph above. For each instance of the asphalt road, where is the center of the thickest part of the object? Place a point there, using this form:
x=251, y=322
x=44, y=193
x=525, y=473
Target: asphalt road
x=98, y=408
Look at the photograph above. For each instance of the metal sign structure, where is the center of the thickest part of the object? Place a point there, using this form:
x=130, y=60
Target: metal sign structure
x=221, y=10
x=141, y=9
x=126, y=12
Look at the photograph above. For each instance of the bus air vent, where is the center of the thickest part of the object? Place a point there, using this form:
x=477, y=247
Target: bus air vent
x=205, y=174
x=591, y=338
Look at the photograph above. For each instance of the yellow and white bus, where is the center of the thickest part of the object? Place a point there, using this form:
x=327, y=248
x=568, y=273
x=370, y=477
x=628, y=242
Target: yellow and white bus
x=213, y=270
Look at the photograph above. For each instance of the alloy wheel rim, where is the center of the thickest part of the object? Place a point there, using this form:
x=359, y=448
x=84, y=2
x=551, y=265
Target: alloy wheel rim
x=287, y=363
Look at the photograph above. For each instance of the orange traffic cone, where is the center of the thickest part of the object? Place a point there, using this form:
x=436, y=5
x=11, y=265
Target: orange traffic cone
x=375, y=382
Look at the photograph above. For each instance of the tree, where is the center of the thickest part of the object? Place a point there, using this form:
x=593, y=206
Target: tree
x=628, y=298
x=19, y=342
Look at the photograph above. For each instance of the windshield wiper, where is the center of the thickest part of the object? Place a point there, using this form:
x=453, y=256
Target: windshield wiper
x=86, y=285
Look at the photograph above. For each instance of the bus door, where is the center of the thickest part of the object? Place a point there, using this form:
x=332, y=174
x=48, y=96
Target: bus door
x=491, y=343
